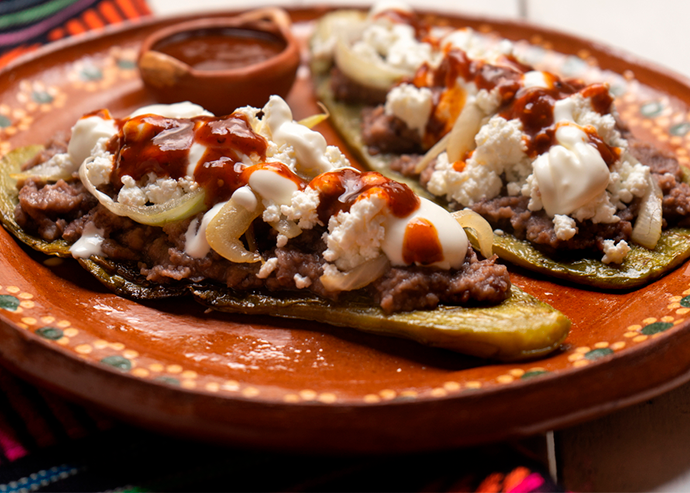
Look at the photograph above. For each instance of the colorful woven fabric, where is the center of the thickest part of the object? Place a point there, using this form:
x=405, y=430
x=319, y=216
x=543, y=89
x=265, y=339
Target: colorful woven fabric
x=48, y=444
x=27, y=24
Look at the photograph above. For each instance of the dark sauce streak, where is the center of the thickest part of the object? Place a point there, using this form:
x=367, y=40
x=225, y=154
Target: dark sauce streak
x=151, y=143
x=506, y=77
x=339, y=190
x=534, y=107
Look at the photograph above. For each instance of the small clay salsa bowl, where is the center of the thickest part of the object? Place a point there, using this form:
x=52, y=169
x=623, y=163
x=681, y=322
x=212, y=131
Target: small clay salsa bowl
x=222, y=63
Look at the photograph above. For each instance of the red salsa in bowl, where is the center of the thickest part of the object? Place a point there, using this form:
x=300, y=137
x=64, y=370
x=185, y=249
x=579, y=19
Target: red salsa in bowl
x=222, y=63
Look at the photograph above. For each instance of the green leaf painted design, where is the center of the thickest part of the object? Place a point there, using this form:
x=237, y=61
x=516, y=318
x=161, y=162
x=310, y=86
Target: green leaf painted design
x=652, y=109
x=42, y=97
x=533, y=374
x=119, y=362
x=50, y=333
x=573, y=65
x=126, y=64
x=685, y=302
x=5, y=121
x=655, y=328
x=91, y=73
x=618, y=89
x=595, y=354
x=169, y=380
x=9, y=302
x=680, y=129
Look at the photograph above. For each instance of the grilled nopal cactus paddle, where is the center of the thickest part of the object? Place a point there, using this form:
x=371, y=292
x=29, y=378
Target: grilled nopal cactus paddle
x=520, y=327
x=640, y=267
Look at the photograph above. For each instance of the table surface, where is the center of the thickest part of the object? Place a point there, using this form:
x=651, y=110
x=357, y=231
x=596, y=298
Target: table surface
x=644, y=447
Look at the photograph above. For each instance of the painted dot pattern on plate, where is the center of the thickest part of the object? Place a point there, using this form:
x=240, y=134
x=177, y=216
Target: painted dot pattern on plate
x=656, y=116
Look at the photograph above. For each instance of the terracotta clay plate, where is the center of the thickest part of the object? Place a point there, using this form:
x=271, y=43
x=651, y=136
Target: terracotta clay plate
x=304, y=386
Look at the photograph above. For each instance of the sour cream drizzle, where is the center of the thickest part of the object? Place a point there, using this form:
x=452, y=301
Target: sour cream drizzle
x=218, y=153
x=90, y=242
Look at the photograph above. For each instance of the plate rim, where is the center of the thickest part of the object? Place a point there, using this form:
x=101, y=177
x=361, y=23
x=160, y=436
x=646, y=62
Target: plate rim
x=29, y=342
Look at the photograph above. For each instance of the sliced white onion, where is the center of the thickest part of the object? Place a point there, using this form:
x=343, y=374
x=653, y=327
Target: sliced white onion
x=152, y=215
x=432, y=153
x=286, y=227
x=647, y=230
x=459, y=140
x=314, y=120
x=329, y=28
x=365, y=71
x=464, y=131
x=227, y=227
x=44, y=171
x=485, y=235
x=357, y=278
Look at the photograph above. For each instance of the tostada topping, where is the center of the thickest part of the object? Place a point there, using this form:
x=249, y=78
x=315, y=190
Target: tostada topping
x=248, y=187
x=490, y=128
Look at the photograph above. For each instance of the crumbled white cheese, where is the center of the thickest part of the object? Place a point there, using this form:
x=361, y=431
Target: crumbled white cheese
x=301, y=282
x=500, y=146
x=354, y=237
x=488, y=101
x=476, y=45
x=268, y=267
x=598, y=210
x=629, y=179
x=303, y=208
x=271, y=212
x=55, y=165
x=614, y=253
x=564, y=226
x=500, y=152
x=395, y=43
x=131, y=194
x=475, y=182
x=153, y=190
x=411, y=104
x=100, y=164
x=531, y=189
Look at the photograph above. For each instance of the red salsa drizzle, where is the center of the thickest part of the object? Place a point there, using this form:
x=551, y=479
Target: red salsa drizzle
x=339, y=190
x=534, y=107
x=506, y=77
x=421, y=243
x=600, y=96
x=151, y=143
